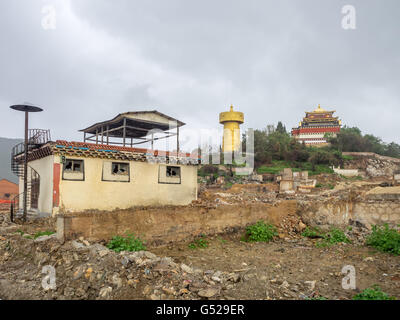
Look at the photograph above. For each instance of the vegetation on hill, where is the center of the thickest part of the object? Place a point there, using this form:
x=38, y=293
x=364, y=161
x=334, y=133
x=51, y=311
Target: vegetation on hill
x=352, y=140
x=275, y=149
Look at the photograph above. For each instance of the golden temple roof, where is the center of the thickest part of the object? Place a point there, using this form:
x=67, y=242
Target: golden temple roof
x=320, y=110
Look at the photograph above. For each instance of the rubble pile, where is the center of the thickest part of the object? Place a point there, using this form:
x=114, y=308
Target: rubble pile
x=92, y=271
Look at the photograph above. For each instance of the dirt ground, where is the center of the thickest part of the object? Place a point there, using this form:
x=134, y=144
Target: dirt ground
x=290, y=267
x=283, y=269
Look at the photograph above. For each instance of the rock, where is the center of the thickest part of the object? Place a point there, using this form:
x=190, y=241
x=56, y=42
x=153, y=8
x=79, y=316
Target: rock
x=116, y=280
x=301, y=226
x=105, y=292
x=311, y=284
x=186, y=268
x=234, y=277
x=216, y=279
x=155, y=297
x=169, y=291
x=208, y=293
x=150, y=255
x=369, y=259
x=88, y=273
x=125, y=261
x=77, y=245
x=284, y=285
x=79, y=272
x=103, y=253
x=147, y=290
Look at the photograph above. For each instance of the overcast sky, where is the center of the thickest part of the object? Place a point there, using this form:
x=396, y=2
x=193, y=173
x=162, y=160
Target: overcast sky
x=273, y=60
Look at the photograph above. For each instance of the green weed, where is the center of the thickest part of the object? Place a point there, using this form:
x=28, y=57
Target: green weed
x=373, y=293
x=384, y=239
x=260, y=232
x=127, y=243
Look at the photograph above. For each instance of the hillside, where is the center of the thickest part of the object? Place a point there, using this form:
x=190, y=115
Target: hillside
x=6, y=145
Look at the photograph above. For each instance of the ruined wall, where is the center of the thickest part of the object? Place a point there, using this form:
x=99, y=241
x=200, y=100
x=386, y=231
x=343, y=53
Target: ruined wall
x=374, y=165
x=371, y=210
x=163, y=225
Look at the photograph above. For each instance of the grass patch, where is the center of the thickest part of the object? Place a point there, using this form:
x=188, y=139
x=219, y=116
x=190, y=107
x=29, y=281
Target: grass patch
x=373, y=293
x=43, y=233
x=384, y=239
x=344, y=157
x=200, y=243
x=127, y=243
x=260, y=232
x=332, y=237
x=278, y=165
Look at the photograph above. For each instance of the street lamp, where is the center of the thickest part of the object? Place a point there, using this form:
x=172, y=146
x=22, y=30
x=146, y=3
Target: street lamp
x=26, y=108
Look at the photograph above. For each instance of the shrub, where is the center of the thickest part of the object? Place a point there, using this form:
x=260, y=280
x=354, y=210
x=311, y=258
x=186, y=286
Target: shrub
x=199, y=243
x=332, y=237
x=127, y=243
x=260, y=232
x=384, y=239
x=373, y=293
x=312, y=233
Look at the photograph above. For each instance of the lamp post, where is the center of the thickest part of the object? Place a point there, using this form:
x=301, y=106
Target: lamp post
x=26, y=108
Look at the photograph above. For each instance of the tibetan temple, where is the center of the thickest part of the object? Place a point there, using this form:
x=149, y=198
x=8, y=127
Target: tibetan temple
x=315, y=124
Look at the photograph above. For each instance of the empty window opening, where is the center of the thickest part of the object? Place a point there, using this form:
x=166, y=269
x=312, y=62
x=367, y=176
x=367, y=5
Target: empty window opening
x=120, y=168
x=73, y=165
x=174, y=172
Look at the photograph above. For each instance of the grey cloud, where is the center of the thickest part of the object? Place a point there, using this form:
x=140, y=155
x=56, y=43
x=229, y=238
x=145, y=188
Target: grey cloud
x=191, y=59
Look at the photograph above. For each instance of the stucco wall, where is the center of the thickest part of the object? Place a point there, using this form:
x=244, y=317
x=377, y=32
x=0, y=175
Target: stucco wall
x=169, y=224
x=44, y=167
x=143, y=189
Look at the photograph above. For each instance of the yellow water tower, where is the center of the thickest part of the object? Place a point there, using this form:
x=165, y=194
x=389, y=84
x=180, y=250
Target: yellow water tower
x=231, y=121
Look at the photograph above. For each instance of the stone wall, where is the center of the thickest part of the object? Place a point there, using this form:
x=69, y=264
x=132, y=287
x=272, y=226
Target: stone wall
x=168, y=224
x=371, y=210
x=374, y=165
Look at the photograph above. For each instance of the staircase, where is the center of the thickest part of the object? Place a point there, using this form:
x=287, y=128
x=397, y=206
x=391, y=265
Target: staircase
x=36, y=138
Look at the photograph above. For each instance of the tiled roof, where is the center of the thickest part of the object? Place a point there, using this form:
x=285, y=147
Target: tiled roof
x=91, y=150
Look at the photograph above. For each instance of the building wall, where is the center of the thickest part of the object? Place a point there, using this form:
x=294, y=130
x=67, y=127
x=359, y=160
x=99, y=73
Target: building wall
x=143, y=189
x=44, y=167
x=8, y=189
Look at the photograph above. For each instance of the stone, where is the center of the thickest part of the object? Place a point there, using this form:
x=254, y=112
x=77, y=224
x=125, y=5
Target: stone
x=311, y=284
x=150, y=255
x=77, y=245
x=234, y=277
x=186, y=268
x=105, y=292
x=147, y=290
x=208, y=293
x=116, y=280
